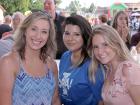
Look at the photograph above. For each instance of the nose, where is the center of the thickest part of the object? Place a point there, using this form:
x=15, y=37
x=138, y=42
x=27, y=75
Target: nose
x=68, y=37
x=38, y=34
x=100, y=50
x=124, y=21
x=47, y=6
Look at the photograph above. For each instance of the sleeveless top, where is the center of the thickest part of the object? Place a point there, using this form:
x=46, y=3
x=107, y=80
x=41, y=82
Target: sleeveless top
x=75, y=88
x=29, y=90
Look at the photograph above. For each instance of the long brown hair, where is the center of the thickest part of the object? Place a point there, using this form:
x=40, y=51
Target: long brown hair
x=115, y=24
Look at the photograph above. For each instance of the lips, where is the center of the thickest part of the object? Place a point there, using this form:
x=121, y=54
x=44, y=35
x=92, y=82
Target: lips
x=70, y=44
x=36, y=42
x=101, y=57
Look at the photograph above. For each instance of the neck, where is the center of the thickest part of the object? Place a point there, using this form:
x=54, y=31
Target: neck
x=31, y=54
x=114, y=65
x=75, y=57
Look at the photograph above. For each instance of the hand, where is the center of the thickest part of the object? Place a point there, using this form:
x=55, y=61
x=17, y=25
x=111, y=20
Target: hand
x=125, y=33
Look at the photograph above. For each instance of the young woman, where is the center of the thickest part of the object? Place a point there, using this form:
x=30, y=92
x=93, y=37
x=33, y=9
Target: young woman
x=28, y=74
x=75, y=86
x=122, y=82
x=120, y=23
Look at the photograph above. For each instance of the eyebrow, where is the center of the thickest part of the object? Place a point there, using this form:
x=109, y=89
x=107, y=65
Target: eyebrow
x=37, y=27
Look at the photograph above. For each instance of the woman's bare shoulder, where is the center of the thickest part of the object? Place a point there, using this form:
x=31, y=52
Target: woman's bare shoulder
x=9, y=61
x=52, y=65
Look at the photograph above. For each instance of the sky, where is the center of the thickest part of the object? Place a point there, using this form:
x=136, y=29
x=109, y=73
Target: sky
x=102, y=3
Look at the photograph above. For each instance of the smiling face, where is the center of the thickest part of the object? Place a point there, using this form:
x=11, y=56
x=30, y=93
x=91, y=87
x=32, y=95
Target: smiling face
x=37, y=34
x=72, y=37
x=102, y=51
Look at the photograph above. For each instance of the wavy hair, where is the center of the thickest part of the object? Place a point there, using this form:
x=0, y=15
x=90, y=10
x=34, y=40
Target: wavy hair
x=113, y=39
x=49, y=49
x=115, y=24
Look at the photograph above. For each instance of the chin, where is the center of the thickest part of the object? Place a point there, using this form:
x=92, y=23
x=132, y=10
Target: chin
x=104, y=62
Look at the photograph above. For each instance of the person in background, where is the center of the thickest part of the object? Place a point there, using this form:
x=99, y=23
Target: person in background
x=6, y=45
x=1, y=14
x=103, y=19
x=75, y=84
x=138, y=48
x=28, y=74
x=122, y=82
x=120, y=23
x=135, y=38
x=7, y=40
x=49, y=7
x=4, y=28
x=17, y=19
x=8, y=20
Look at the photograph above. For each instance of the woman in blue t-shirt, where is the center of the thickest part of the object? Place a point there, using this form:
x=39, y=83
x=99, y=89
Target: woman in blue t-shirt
x=75, y=85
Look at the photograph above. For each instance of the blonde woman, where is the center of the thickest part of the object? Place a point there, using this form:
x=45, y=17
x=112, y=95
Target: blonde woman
x=28, y=74
x=122, y=82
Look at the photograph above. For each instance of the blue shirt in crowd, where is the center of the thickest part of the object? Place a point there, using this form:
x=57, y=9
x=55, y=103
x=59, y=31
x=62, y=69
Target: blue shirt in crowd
x=75, y=88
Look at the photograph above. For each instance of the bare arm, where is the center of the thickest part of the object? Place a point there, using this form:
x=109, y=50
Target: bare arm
x=134, y=92
x=56, y=99
x=125, y=33
x=7, y=76
x=132, y=75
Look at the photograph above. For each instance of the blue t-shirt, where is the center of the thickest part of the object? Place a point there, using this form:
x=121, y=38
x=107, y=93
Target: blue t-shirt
x=75, y=88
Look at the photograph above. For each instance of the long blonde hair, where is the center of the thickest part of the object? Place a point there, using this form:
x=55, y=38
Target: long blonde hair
x=115, y=42
x=49, y=49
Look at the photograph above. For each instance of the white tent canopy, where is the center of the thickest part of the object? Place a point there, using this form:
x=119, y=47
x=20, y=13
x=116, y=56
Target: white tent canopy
x=135, y=14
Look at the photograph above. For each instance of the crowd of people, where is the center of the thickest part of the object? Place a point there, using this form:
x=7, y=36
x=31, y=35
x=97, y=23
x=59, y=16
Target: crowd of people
x=96, y=63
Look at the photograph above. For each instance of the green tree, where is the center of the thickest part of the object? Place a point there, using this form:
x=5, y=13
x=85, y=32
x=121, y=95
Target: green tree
x=36, y=4
x=85, y=9
x=15, y=5
x=21, y=5
x=58, y=2
x=74, y=6
x=92, y=8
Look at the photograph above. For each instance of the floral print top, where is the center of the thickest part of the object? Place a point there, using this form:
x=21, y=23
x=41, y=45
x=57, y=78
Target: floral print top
x=127, y=73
